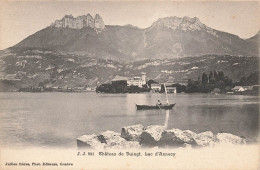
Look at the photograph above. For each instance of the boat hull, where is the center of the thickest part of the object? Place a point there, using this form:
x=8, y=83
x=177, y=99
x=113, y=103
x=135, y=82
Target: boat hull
x=147, y=107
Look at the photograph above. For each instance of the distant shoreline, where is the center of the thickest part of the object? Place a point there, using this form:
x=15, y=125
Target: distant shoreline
x=241, y=94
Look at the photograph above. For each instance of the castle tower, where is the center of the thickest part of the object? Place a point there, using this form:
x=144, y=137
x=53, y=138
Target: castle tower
x=143, y=78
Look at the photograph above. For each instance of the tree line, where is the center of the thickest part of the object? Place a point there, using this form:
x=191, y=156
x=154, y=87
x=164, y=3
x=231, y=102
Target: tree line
x=214, y=81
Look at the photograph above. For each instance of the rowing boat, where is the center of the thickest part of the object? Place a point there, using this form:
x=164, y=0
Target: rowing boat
x=147, y=107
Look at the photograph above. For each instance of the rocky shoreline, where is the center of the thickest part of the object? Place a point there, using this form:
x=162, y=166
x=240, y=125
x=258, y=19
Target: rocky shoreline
x=138, y=136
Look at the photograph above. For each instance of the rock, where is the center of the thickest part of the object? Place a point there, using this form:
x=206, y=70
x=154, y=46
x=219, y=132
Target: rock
x=88, y=21
x=115, y=141
x=132, y=133
x=151, y=135
x=204, y=138
x=185, y=145
x=133, y=137
x=89, y=141
x=98, y=22
x=188, y=137
x=68, y=21
x=110, y=138
x=177, y=137
x=227, y=138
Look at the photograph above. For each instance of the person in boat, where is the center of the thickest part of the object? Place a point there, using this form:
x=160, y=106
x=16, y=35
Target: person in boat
x=158, y=103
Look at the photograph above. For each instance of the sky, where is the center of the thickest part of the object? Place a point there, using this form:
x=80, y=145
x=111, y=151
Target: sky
x=18, y=20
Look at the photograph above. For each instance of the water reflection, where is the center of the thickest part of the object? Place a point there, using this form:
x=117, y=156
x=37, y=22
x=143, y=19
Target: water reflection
x=166, y=119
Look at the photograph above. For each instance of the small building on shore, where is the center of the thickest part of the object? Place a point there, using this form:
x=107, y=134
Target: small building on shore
x=248, y=88
x=156, y=87
x=171, y=89
x=90, y=89
x=79, y=88
x=238, y=89
x=216, y=90
x=10, y=77
x=256, y=87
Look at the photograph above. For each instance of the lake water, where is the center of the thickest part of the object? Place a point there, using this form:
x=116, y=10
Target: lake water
x=57, y=119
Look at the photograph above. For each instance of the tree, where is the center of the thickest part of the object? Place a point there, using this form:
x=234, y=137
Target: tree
x=204, y=78
x=209, y=83
x=215, y=75
x=149, y=82
x=41, y=84
x=221, y=75
x=252, y=79
x=193, y=87
x=242, y=81
x=179, y=88
x=211, y=78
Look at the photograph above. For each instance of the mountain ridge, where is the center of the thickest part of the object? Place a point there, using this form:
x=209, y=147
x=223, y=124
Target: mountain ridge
x=169, y=37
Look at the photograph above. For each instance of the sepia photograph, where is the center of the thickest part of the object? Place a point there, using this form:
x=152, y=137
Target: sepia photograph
x=129, y=85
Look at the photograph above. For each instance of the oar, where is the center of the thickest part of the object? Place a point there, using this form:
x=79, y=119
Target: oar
x=159, y=108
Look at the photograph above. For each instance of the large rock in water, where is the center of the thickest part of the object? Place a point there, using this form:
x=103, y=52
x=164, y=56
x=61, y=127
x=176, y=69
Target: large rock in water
x=114, y=140
x=227, y=138
x=151, y=135
x=177, y=138
x=132, y=133
x=133, y=137
x=204, y=139
x=89, y=141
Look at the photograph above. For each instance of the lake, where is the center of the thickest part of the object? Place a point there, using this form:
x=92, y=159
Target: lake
x=55, y=120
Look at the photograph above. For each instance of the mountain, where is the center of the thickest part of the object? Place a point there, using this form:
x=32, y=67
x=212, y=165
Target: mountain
x=254, y=42
x=174, y=36
x=68, y=21
x=83, y=51
x=93, y=40
x=170, y=37
x=84, y=41
x=254, y=39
